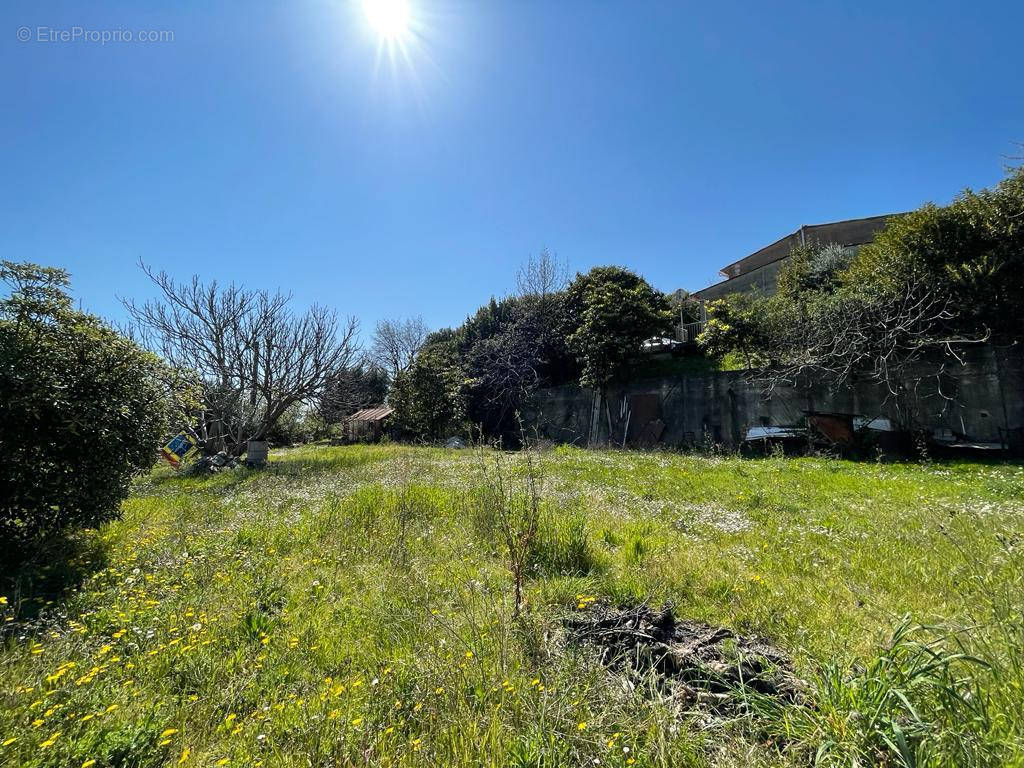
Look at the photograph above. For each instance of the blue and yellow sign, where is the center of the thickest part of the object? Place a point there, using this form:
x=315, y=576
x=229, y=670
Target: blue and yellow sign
x=178, y=449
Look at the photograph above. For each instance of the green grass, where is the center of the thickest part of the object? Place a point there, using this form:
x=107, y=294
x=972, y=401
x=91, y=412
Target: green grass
x=351, y=606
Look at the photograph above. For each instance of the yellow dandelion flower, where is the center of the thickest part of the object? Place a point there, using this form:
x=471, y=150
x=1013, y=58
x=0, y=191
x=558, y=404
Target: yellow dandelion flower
x=357, y=722
x=184, y=755
x=224, y=761
x=89, y=763
x=50, y=741
x=581, y=727
x=8, y=742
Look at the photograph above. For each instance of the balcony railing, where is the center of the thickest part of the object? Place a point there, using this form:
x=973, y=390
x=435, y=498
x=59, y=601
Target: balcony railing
x=689, y=331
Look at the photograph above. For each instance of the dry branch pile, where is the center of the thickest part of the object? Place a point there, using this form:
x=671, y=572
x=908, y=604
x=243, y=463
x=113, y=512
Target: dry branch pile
x=700, y=663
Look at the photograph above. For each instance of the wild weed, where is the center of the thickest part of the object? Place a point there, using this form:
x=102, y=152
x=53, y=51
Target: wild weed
x=915, y=703
x=562, y=544
x=515, y=510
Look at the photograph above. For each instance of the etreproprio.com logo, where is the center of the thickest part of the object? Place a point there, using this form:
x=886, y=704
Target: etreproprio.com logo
x=77, y=34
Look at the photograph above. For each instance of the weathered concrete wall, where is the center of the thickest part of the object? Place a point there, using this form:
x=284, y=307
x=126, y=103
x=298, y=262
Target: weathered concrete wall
x=983, y=399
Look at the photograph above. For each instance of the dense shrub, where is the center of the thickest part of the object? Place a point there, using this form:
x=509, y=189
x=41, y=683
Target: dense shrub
x=933, y=282
x=83, y=409
x=971, y=250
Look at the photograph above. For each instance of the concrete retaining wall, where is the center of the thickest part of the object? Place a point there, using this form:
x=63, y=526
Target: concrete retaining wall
x=984, y=399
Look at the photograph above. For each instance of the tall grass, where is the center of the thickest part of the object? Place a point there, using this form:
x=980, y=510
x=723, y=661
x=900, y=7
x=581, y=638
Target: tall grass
x=562, y=545
x=911, y=704
x=355, y=606
x=950, y=695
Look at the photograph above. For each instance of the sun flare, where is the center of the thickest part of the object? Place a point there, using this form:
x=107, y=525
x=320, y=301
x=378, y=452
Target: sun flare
x=389, y=18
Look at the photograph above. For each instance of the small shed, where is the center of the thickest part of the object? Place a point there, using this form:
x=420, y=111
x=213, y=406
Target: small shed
x=367, y=425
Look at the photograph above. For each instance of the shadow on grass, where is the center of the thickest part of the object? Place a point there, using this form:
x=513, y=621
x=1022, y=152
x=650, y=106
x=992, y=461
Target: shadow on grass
x=224, y=479
x=327, y=460
x=37, y=581
x=288, y=463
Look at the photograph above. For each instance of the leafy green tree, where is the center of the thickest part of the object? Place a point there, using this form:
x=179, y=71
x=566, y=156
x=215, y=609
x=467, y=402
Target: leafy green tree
x=971, y=251
x=428, y=397
x=610, y=312
x=739, y=323
x=684, y=307
x=83, y=410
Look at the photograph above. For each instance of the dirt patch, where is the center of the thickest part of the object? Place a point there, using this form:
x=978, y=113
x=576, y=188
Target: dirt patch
x=700, y=663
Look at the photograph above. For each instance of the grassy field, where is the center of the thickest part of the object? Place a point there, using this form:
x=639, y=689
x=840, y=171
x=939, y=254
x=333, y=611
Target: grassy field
x=352, y=606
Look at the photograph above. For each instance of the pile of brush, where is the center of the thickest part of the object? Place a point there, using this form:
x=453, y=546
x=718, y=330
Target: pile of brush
x=700, y=662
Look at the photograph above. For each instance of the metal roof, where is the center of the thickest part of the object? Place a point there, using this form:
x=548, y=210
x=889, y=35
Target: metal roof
x=376, y=413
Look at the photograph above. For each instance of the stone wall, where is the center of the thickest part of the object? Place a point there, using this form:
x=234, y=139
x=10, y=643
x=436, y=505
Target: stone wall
x=983, y=399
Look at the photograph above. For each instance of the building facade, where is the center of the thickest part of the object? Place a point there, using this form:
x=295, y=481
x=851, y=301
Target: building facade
x=759, y=272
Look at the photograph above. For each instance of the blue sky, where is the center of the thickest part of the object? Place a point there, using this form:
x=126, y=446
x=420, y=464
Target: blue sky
x=276, y=144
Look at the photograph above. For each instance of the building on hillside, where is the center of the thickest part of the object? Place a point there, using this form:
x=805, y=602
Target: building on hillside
x=367, y=425
x=760, y=270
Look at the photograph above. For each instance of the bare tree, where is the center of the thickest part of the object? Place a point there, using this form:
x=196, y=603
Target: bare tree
x=897, y=341
x=396, y=342
x=878, y=338
x=543, y=275
x=255, y=358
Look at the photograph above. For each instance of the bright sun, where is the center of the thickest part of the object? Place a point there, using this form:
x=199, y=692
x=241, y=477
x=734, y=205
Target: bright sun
x=390, y=18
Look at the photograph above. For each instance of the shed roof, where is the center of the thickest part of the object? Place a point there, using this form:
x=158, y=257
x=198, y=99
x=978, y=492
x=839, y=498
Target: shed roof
x=376, y=413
